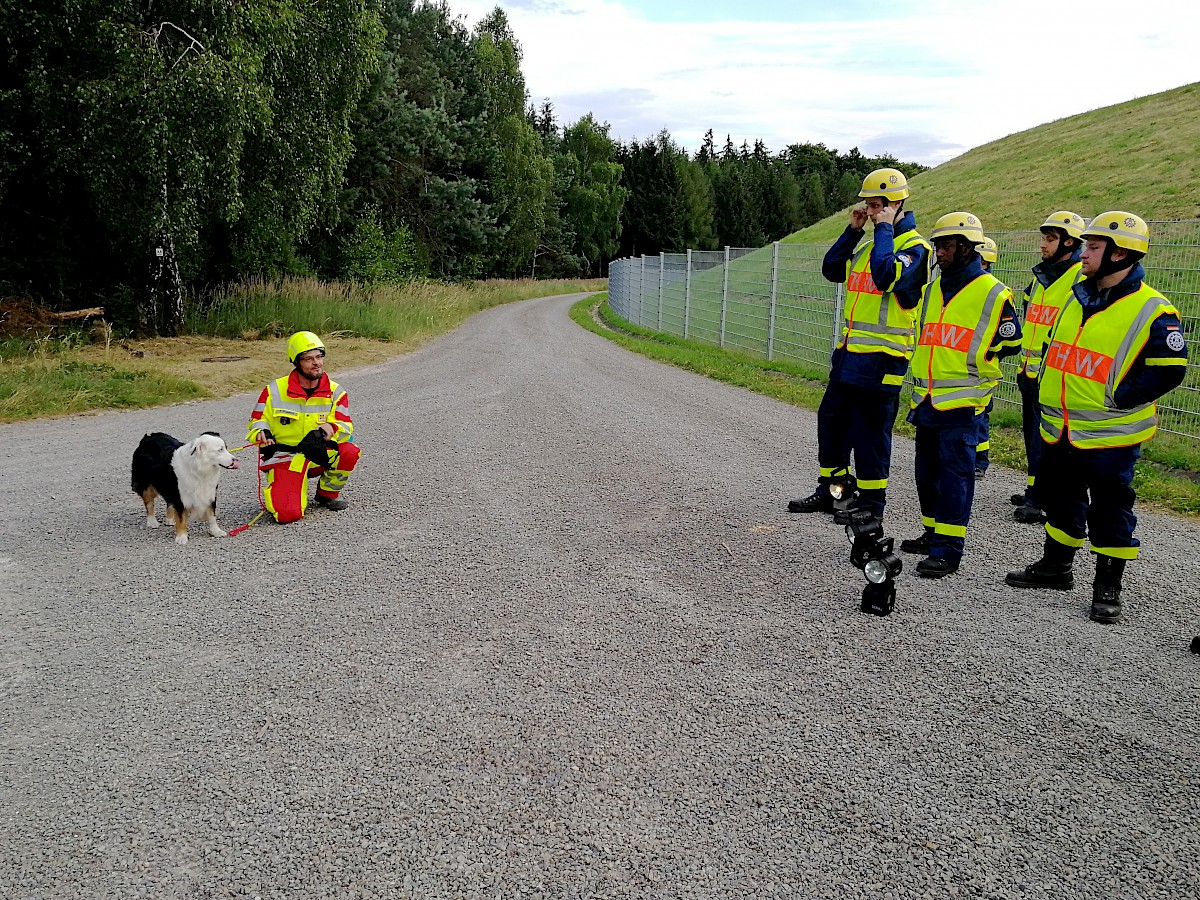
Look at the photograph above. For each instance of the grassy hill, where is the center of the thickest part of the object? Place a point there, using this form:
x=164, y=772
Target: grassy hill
x=1140, y=156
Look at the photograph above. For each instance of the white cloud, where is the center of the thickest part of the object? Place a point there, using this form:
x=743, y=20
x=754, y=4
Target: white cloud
x=924, y=85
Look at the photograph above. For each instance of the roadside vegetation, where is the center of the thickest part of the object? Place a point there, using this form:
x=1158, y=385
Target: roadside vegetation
x=1168, y=475
x=233, y=344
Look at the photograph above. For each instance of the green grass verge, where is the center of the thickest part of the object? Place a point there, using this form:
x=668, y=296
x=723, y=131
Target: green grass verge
x=44, y=375
x=264, y=309
x=55, y=386
x=1168, y=475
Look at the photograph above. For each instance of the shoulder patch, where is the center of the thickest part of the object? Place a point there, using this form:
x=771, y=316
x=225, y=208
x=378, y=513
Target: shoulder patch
x=1008, y=328
x=1175, y=341
x=904, y=258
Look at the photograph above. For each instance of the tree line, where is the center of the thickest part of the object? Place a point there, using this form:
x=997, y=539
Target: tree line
x=152, y=151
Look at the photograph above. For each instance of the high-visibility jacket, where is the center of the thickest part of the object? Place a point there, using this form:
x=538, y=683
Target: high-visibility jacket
x=951, y=364
x=874, y=321
x=1045, y=303
x=1086, y=363
x=290, y=413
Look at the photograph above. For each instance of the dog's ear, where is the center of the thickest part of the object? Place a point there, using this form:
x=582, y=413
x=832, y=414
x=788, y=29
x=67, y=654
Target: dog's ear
x=213, y=433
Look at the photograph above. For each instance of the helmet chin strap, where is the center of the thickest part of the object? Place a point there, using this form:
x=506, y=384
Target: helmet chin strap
x=1108, y=265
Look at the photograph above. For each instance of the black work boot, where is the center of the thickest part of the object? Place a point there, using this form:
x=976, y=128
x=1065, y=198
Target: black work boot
x=936, y=567
x=1053, y=570
x=1017, y=499
x=337, y=504
x=818, y=501
x=1106, y=589
x=917, y=545
x=1029, y=515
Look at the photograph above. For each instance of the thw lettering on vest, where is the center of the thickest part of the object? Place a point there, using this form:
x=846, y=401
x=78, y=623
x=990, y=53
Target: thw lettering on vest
x=1087, y=364
x=862, y=283
x=1041, y=315
x=940, y=334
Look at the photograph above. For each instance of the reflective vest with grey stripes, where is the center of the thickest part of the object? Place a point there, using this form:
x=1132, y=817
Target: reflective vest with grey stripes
x=951, y=365
x=1043, y=309
x=1086, y=363
x=874, y=321
x=291, y=418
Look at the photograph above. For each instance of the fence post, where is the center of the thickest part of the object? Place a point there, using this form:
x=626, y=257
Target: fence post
x=662, y=259
x=724, y=295
x=687, y=294
x=641, y=284
x=839, y=304
x=774, y=295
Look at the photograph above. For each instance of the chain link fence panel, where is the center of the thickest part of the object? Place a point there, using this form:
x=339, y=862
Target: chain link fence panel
x=772, y=302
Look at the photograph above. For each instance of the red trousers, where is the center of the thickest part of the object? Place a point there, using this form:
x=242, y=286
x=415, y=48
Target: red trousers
x=285, y=491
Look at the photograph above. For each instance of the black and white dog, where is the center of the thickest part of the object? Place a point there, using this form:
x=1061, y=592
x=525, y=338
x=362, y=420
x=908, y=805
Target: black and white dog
x=184, y=475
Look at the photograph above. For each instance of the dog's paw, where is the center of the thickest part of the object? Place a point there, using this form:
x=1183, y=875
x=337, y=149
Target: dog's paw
x=181, y=538
x=151, y=522
x=217, y=532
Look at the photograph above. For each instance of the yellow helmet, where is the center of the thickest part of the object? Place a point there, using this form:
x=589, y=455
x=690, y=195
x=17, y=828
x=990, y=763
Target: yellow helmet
x=302, y=342
x=1072, y=223
x=887, y=183
x=1122, y=228
x=960, y=223
x=989, y=251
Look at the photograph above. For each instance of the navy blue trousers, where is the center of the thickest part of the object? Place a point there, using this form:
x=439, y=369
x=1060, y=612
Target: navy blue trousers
x=1088, y=494
x=858, y=421
x=983, y=448
x=1031, y=423
x=946, y=483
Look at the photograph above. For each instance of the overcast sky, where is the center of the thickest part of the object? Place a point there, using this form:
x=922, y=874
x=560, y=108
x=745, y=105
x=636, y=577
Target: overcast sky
x=924, y=81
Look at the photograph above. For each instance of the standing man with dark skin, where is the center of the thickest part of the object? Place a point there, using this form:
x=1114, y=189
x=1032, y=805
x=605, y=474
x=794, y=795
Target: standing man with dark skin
x=1117, y=346
x=1054, y=276
x=966, y=324
x=884, y=278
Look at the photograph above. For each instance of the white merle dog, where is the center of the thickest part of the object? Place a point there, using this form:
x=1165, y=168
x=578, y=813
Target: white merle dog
x=184, y=475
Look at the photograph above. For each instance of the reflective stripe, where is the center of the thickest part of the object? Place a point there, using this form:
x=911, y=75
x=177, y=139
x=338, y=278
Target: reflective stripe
x=881, y=329
x=927, y=521
x=1062, y=537
x=1117, y=552
x=893, y=379
x=259, y=425
x=985, y=319
x=1147, y=314
x=856, y=341
x=950, y=530
x=1171, y=361
x=872, y=484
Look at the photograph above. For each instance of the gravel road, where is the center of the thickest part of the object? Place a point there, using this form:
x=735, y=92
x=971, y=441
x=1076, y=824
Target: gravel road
x=566, y=642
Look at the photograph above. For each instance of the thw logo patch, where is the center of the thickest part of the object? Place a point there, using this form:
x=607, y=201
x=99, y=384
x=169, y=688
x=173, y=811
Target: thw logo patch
x=941, y=334
x=1078, y=361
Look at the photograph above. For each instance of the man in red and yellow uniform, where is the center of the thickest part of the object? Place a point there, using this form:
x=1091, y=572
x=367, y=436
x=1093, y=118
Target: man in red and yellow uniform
x=1054, y=276
x=966, y=323
x=303, y=407
x=884, y=276
x=1116, y=348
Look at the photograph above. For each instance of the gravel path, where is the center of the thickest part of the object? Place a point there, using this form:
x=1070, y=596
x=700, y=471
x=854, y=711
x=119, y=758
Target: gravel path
x=567, y=643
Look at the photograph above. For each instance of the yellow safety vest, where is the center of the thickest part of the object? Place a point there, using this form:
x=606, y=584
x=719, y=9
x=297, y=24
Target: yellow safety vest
x=291, y=418
x=951, y=366
x=874, y=321
x=1086, y=363
x=1044, y=307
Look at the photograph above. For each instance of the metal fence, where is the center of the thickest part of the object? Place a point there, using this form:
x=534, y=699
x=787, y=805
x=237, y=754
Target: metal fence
x=772, y=302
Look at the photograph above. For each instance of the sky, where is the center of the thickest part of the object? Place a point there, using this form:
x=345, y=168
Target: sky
x=924, y=81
